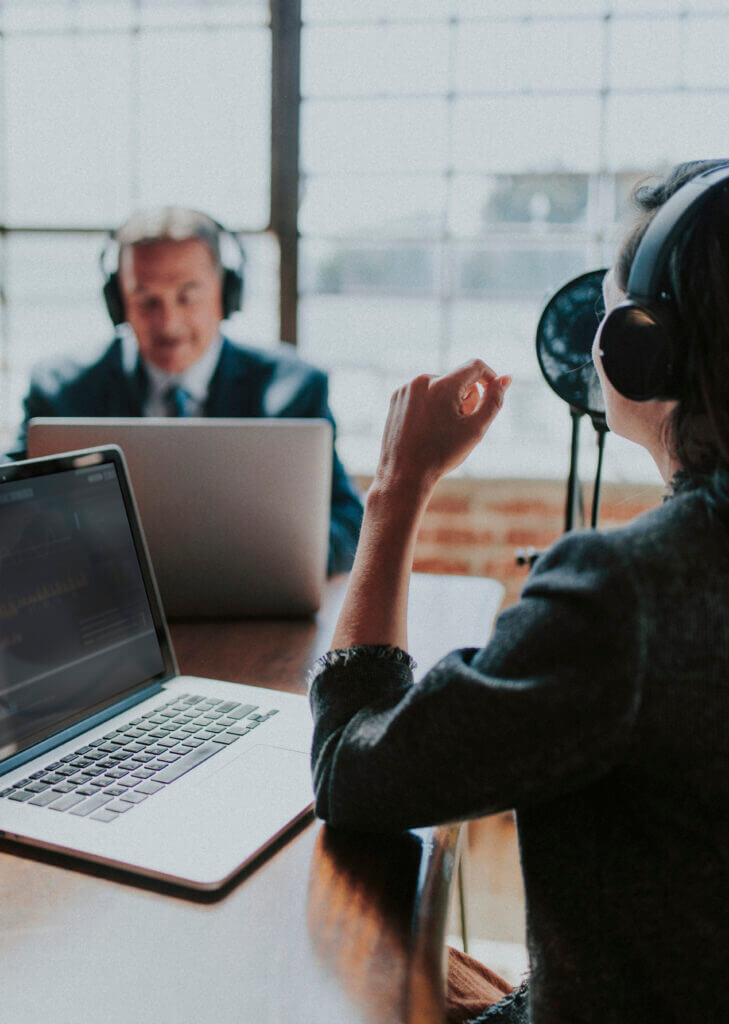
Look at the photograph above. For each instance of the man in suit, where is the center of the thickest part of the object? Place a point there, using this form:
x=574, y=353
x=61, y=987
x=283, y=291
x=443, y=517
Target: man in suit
x=168, y=296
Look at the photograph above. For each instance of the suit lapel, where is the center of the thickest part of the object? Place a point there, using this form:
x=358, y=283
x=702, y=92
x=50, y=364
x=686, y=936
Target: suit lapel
x=122, y=394
x=234, y=389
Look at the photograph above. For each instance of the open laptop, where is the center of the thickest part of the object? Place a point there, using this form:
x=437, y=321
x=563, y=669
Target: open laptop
x=105, y=751
x=235, y=511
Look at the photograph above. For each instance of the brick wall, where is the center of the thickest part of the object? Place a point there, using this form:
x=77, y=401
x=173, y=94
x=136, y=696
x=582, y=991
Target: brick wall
x=474, y=527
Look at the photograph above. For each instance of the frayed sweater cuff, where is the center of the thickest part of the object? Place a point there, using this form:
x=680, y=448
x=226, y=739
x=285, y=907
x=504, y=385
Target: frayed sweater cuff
x=355, y=662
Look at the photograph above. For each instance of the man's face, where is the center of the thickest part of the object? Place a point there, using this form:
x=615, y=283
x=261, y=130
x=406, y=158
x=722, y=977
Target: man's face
x=172, y=300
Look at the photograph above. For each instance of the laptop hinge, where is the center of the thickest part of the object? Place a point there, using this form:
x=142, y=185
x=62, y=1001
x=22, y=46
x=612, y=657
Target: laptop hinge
x=79, y=727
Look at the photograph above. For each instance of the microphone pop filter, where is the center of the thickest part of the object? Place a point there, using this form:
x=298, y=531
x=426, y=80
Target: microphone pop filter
x=565, y=334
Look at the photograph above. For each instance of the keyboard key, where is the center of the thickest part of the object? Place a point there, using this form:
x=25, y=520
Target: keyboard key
x=117, y=790
x=41, y=799
x=119, y=806
x=149, y=787
x=21, y=795
x=37, y=787
x=91, y=805
x=241, y=710
x=242, y=729
x=66, y=802
x=133, y=796
x=143, y=773
x=226, y=738
x=103, y=814
x=191, y=760
x=63, y=787
x=169, y=758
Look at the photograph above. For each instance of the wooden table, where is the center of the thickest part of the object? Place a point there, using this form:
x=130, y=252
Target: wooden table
x=330, y=927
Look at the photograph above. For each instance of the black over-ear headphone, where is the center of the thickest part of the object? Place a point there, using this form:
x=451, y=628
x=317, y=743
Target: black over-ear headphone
x=640, y=339
x=232, y=280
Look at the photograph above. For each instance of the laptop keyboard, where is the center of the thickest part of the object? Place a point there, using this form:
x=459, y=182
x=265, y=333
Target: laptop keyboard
x=122, y=769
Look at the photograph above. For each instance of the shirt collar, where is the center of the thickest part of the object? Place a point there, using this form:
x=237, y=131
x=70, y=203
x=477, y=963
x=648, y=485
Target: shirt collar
x=195, y=380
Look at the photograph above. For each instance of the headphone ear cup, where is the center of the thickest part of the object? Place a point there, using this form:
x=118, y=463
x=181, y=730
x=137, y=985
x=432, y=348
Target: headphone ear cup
x=113, y=299
x=232, y=291
x=638, y=343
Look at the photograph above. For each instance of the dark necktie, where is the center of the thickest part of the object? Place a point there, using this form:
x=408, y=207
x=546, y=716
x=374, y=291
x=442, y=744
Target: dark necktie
x=177, y=401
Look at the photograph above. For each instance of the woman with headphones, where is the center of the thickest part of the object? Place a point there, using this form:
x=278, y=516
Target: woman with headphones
x=599, y=710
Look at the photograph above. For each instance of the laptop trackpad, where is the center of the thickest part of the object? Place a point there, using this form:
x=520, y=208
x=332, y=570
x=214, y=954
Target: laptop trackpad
x=271, y=783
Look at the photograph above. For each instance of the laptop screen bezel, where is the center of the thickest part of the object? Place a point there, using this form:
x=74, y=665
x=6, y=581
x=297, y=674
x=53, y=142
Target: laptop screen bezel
x=69, y=461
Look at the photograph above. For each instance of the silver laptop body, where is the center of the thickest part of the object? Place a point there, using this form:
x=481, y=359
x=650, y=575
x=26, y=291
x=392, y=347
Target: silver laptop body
x=89, y=686
x=235, y=511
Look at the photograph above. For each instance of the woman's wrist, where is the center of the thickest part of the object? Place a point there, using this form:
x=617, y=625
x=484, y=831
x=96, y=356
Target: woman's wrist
x=398, y=499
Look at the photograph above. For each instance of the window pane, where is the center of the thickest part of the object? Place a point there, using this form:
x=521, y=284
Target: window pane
x=374, y=60
x=204, y=136
x=54, y=305
x=673, y=127
x=501, y=272
x=514, y=201
x=707, y=41
x=654, y=7
x=529, y=54
x=633, y=64
x=352, y=268
x=67, y=127
x=400, y=334
x=527, y=133
x=380, y=207
x=374, y=10
x=373, y=136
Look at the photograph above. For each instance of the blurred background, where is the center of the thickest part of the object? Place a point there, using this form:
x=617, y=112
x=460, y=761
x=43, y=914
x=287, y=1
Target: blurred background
x=411, y=179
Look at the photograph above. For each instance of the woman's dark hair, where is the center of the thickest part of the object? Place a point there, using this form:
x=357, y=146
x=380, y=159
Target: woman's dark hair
x=698, y=285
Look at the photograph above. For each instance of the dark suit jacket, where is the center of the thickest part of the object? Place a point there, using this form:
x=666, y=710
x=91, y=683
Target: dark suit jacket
x=246, y=382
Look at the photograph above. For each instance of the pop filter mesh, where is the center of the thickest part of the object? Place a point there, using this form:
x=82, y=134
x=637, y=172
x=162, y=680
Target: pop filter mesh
x=564, y=342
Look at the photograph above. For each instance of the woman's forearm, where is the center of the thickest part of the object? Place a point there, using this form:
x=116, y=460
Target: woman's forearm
x=432, y=425
x=375, y=606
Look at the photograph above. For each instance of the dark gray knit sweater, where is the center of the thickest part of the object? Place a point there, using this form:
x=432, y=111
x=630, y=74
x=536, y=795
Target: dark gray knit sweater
x=600, y=712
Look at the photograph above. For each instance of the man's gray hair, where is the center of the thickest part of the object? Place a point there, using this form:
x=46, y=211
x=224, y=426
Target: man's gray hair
x=171, y=224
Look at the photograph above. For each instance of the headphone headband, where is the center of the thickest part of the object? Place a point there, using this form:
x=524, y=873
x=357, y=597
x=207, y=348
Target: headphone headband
x=649, y=263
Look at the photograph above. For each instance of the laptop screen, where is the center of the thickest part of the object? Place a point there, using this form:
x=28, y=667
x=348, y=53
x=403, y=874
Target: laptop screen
x=76, y=626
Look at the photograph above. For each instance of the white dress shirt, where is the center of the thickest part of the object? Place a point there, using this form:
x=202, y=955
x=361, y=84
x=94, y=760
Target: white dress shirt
x=195, y=380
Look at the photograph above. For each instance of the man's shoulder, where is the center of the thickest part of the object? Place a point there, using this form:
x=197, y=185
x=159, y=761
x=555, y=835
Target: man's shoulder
x=282, y=359
x=64, y=372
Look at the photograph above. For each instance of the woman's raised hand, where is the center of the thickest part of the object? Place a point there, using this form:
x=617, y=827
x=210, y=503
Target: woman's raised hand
x=434, y=422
